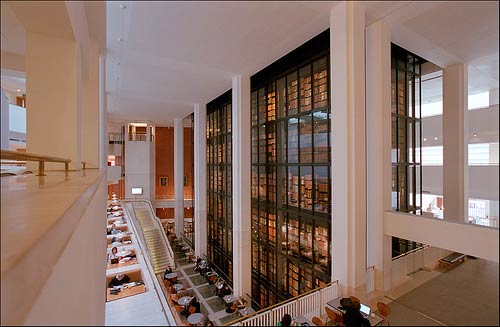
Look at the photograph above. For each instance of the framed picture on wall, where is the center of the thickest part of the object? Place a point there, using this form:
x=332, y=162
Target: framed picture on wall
x=163, y=181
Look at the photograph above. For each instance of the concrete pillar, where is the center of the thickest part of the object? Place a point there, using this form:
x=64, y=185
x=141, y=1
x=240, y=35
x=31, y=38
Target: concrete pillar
x=242, y=266
x=103, y=115
x=200, y=179
x=52, y=84
x=90, y=110
x=179, y=176
x=455, y=144
x=347, y=58
x=378, y=149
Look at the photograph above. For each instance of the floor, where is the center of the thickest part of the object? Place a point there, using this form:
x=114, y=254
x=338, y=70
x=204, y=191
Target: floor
x=467, y=295
x=211, y=305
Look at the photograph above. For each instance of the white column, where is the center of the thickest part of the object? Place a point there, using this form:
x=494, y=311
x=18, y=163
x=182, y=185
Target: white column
x=242, y=267
x=179, y=176
x=53, y=72
x=378, y=148
x=5, y=130
x=347, y=57
x=200, y=179
x=103, y=115
x=455, y=144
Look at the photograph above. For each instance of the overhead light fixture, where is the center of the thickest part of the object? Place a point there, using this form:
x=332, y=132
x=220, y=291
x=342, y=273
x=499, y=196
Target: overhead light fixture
x=118, y=63
x=475, y=134
x=435, y=138
x=120, y=39
x=425, y=139
x=18, y=90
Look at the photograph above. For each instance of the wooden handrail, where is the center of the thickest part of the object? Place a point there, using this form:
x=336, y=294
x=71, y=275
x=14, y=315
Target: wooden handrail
x=16, y=155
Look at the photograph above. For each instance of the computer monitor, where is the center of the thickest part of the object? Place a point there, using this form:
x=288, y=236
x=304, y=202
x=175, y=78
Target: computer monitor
x=365, y=309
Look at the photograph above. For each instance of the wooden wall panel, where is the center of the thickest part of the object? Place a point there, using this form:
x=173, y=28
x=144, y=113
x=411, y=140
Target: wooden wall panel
x=164, y=145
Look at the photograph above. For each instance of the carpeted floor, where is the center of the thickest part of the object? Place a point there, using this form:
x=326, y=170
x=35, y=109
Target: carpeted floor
x=467, y=295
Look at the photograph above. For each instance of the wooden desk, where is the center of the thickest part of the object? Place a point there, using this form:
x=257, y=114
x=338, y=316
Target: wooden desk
x=132, y=261
x=374, y=318
x=134, y=290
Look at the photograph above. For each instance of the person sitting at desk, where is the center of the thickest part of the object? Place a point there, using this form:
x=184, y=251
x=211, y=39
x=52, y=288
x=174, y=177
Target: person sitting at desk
x=286, y=320
x=116, y=241
x=168, y=270
x=112, y=255
x=119, y=279
x=353, y=317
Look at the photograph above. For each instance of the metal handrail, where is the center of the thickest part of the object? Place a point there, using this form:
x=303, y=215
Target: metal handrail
x=424, y=246
x=158, y=225
x=16, y=155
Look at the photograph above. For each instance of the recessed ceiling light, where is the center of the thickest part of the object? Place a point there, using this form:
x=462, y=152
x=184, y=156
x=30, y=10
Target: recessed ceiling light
x=435, y=138
x=425, y=139
x=475, y=134
x=18, y=90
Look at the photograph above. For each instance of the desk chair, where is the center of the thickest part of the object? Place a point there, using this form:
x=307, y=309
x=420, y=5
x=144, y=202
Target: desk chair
x=317, y=321
x=384, y=311
x=333, y=317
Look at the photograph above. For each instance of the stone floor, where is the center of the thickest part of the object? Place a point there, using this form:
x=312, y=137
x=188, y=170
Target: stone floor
x=213, y=306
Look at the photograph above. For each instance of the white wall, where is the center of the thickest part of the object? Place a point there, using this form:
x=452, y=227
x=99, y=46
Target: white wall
x=5, y=121
x=138, y=169
x=421, y=259
x=483, y=181
x=475, y=240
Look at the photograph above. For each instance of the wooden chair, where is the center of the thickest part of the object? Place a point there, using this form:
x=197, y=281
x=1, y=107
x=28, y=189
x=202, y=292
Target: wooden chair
x=192, y=309
x=384, y=311
x=167, y=283
x=355, y=299
x=333, y=317
x=317, y=321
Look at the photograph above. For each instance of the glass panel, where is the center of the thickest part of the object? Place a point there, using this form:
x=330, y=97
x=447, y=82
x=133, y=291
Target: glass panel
x=305, y=88
x=281, y=97
x=321, y=189
x=281, y=170
x=262, y=106
x=262, y=144
x=306, y=138
x=320, y=83
x=394, y=98
x=254, y=108
x=394, y=139
x=321, y=248
x=306, y=242
x=293, y=186
x=262, y=184
x=271, y=184
x=281, y=140
x=271, y=103
x=321, y=136
x=271, y=142
x=292, y=90
x=306, y=188
x=402, y=145
x=255, y=153
x=293, y=155
x=401, y=93
x=395, y=193
x=255, y=182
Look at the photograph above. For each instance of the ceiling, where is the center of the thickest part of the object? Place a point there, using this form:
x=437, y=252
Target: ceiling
x=175, y=54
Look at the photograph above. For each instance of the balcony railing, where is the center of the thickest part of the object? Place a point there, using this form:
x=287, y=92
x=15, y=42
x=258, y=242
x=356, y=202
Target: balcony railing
x=16, y=155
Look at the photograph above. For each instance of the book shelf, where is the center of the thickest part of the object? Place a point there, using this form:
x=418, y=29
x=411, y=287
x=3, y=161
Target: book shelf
x=291, y=185
x=219, y=184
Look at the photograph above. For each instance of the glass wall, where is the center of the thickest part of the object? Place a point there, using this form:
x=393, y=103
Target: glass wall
x=219, y=185
x=406, y=138
x=291, y=200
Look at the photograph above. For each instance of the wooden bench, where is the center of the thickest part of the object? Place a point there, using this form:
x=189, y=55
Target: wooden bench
x=135, y=276
x=451, y=260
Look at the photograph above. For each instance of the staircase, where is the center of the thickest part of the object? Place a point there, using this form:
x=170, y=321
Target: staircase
x=159, y=255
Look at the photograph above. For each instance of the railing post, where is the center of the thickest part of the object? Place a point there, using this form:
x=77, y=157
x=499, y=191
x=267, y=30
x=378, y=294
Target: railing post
x=66, y=166
x=41, y=168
